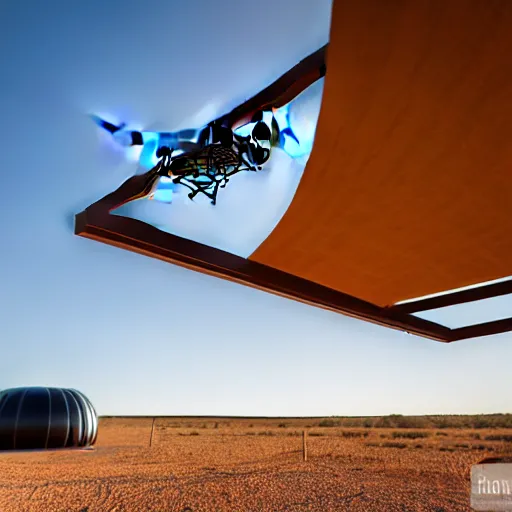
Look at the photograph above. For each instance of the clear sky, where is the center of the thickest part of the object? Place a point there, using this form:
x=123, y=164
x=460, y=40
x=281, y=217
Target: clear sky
x=139, y=336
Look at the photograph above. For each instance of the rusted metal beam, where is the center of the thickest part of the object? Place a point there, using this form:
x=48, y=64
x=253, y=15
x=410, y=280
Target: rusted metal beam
x=484, y=329
x=450, y=299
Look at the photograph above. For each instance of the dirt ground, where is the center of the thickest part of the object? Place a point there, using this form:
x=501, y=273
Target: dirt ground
x=235, y=465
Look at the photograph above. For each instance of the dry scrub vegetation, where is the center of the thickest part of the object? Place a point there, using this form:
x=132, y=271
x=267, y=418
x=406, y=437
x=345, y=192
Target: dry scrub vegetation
x=245, y=465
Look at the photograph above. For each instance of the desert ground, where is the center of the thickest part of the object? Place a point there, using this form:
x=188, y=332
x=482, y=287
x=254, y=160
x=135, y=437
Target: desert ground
x=245, y=465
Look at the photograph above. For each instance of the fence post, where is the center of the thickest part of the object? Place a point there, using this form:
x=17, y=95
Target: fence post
x=305, y=445
x=152, y=430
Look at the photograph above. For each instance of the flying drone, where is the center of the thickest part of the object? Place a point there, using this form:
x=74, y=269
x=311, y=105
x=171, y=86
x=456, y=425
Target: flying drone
x=204, y=160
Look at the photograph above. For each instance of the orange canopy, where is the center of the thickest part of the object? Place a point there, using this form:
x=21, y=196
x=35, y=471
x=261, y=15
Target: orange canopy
x=408, y=190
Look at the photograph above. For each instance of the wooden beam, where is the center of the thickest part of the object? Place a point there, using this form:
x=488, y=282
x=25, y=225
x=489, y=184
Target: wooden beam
x=485, y=329
x=450, y=299
x=152, y=430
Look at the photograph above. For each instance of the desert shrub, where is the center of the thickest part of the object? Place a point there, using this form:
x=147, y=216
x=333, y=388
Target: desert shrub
x=409, y=435
x=461, y=445
x=411, y=422
x=446, y=449
x=354, y=434
x=383, y=422
x=420, y=422
x=266, y=433
x=499, y=437
x=475, y=436
x=316, y=434
x=282, y=425
x=476, y=421
x=391, y=444
x=454, y=421
x=388, y=444
x=419, y=446
x=329, y=423
x=441, y=434
x=250, y=433
x=492, y=421
x=194, y=433
x=481, y=422
x=350, y=422
x=399, y=421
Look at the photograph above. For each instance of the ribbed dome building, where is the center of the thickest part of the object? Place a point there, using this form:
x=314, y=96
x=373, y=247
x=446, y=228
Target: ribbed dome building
x=33, y=418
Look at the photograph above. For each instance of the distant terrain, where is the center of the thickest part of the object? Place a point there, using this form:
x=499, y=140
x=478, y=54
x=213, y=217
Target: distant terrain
x=392, y=421
x=219, y=464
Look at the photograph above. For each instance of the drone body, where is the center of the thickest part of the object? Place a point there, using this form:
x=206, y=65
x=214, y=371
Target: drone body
x=204, y=159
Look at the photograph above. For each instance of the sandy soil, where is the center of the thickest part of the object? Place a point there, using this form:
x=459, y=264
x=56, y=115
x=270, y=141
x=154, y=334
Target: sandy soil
x=248, y=465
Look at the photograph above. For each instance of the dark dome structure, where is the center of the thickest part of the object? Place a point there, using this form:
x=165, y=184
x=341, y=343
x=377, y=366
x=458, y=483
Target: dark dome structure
x=39, y=418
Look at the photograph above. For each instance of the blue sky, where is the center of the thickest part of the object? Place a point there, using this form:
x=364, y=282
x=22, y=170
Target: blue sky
x=121, y=327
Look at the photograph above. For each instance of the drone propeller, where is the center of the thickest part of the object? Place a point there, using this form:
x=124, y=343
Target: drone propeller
x=109, y=127
x=123, y=137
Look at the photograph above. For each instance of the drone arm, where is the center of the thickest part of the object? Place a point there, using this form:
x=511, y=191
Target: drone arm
x=281, y=92
x=136, y=187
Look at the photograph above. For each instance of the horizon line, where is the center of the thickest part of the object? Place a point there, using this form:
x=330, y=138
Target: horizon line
x=295, y=417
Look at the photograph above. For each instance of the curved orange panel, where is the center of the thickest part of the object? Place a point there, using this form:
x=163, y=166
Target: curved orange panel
x=408, y=189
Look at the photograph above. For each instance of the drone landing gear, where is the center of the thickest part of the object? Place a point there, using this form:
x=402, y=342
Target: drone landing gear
x=197, y=186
